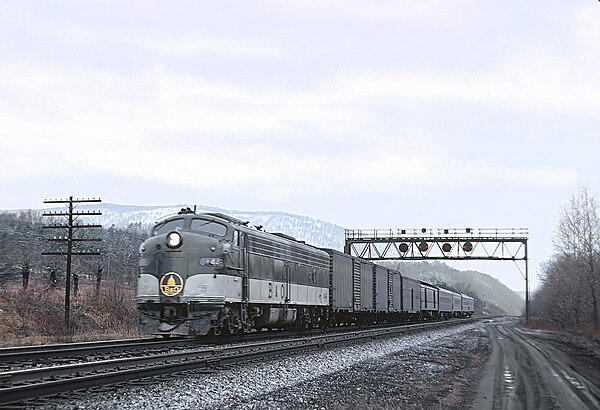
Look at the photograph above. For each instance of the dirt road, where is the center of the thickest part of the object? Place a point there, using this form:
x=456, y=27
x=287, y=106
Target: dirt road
x=533, y=370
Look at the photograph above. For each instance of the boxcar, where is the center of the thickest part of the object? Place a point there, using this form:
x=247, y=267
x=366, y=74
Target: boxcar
x=381, y=288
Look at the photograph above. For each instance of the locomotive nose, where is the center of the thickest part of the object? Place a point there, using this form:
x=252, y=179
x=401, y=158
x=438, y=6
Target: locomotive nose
x=181, y=252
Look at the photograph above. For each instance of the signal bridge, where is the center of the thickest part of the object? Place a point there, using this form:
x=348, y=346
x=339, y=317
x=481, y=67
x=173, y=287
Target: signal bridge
x=422, y=244
x=496, y=244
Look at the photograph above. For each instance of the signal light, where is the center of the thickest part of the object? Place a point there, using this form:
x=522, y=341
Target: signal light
x=446, y=247
x=467, y=246
x=403, y=247
x=423, y=246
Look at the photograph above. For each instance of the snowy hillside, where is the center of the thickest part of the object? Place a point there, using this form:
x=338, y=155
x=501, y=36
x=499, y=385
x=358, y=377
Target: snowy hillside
x=312, y=231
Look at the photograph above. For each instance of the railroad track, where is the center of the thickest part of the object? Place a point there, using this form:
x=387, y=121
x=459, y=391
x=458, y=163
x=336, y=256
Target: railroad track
x=32, y=353
x=19, y=385
x=29, y=356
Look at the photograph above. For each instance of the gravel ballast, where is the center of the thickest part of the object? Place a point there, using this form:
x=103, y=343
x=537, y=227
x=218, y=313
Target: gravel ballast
x=429, y=369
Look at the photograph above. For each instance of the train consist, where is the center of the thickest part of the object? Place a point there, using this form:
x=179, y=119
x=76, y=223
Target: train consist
x=211, y=273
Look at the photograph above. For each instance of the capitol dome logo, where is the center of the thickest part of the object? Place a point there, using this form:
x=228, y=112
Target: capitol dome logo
x=171, y=284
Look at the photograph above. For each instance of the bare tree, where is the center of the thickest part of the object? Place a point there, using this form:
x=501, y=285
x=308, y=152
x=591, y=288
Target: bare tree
x=25, y=271
x=560, y=299
x=578, y=236
x=99, y=270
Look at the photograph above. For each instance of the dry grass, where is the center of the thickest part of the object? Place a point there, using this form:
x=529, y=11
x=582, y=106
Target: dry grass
x=36, y=315
x=590, y=331
x=538, y=324
x=586, y=337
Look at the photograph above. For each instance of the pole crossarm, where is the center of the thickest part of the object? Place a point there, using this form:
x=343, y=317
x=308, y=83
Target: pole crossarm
x=73, y=253
x=437, y=244
x=74, y=213
x=74, y=239
x=75, y=226
x=71, y=200
x=70, y=240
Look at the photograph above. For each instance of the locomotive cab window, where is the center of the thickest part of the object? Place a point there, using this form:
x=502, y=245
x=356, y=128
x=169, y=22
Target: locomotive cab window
x=209, y=227
x=238, y=238
x=168, y=226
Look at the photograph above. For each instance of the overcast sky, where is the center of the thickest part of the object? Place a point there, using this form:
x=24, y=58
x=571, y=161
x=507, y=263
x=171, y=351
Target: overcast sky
x=367, y=114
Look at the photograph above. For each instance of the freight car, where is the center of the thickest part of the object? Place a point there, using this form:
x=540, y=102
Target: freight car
x=201, y=273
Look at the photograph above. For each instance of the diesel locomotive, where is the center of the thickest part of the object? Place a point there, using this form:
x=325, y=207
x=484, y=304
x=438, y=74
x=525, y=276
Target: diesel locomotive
x=211, y=273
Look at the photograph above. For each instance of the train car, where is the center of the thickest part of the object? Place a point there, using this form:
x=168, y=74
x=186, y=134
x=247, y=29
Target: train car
x=363, y=287
x=381, y=289
x=359, y=290
x=445, y=307
x=395, y=294
x=429, y=301
x=468, y=306
x=411, y=298
x=342, y=287
x=456, y=304
x=211, y=273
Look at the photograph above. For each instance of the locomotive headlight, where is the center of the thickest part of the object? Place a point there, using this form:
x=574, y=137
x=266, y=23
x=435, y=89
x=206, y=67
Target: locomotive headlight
x=173, y=240
x=218, y=262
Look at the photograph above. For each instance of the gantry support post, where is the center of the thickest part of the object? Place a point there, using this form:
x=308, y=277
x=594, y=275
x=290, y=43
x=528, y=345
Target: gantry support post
x=526, y=284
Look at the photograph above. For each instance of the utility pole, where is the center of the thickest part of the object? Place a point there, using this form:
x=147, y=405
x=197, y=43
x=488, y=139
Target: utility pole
x=71, y=227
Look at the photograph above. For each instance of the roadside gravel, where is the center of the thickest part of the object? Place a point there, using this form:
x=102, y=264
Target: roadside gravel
x=429, y=369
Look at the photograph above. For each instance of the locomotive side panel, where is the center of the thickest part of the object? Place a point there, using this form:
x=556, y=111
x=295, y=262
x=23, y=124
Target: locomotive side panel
x=279, y=274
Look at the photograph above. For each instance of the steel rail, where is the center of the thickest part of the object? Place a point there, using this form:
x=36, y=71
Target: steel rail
x=32, y=353
x=20, y=385
x=11, y=354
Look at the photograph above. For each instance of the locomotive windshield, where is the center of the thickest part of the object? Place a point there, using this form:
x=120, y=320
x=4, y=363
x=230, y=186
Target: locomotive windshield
x=209, y=227
x=168, y=226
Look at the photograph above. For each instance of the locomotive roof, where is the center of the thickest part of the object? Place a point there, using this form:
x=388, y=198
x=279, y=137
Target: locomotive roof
x=225, y=217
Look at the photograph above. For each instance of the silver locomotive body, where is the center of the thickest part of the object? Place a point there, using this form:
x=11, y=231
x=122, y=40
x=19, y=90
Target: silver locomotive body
x=211, y=273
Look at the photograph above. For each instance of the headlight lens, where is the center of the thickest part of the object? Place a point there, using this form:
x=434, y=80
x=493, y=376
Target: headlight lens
x=173, y=240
